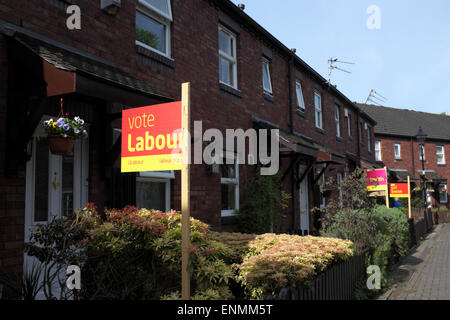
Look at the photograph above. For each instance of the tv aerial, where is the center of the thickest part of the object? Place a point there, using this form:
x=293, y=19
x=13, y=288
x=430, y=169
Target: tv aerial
x=332, y=66
x=376, y=98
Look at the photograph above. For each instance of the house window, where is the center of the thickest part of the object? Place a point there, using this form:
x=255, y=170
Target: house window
x=227, y=57
x=300, y=100
x=397, y=151
x=440, y=155
x=153, y=190
x=443, y=193
x=267, y=84
x=421, y=152
x=337, y=119
x=378, y=151
x=230, y=188
x=369, y=140
x=153, y=18
x=348, y=115
x=318, y=107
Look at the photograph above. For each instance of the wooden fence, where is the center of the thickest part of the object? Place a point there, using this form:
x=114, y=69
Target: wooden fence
x=420, y=224
x=337, y=283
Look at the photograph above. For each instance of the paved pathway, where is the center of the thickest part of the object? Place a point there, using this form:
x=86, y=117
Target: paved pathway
x=425, y=274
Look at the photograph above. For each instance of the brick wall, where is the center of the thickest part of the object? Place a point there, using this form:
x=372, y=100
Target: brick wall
x=194, y=48
x=12, y=191
x=412, y=157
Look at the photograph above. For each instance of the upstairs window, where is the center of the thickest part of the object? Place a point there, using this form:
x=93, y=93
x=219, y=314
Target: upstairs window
x=378, y=151
x=337, y=119
x=440, y=155
x=397, y=151
x=227, y=57
x=318, y=107
x=153, y=18
x=300, y=100
x=348, y=115
x=267, y=84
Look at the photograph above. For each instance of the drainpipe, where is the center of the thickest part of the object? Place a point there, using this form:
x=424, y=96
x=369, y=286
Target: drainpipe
x=358, y=135
x=412, y=156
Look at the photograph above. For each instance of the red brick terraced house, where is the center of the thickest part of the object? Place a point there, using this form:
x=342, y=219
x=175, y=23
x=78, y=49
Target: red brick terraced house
x=138, y=54
x=397, y=148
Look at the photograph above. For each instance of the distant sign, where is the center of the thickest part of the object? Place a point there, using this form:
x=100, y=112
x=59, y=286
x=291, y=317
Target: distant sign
x=377, y=180
x=398, y=190
x=151, y=138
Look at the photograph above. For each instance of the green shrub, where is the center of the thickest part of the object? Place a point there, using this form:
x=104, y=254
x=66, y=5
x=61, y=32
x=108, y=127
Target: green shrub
x=263, y=199
x=382, y=231
x=417, y=202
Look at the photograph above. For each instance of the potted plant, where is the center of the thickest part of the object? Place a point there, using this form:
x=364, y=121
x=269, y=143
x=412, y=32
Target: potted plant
x=62, y=133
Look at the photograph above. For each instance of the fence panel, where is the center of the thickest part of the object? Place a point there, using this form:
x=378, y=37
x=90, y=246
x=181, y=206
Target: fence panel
x=336, y=283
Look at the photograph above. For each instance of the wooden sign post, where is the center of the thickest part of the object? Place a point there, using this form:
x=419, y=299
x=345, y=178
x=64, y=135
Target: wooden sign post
x=387, y=188
x=151, y=141
x=409, y=198
x=185, y=194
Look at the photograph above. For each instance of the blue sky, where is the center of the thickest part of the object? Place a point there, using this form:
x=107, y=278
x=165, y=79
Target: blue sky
x=407, y=60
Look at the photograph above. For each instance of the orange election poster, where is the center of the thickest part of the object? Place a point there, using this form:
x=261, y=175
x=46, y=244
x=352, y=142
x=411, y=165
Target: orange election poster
x=398, y=190
x=151, y=138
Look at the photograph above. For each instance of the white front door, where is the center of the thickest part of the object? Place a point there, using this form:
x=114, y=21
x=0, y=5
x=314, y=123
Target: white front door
x=55, y=185
x=304, y=203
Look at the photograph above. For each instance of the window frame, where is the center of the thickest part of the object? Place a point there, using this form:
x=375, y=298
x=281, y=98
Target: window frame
x=158, y=177
x=159, y=12
x=231, y=181
x=348, y=115
x=378, y=155
x=337, y=119
x=399, y=151
x=369, y=137
x=266, y=62
x=318, y=111
x=298, y=85
x=443, y=155
x=152, y=13
x=226, y=56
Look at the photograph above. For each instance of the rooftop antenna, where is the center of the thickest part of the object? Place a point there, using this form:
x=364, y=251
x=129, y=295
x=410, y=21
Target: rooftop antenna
x=373, y=96
x=331, y=67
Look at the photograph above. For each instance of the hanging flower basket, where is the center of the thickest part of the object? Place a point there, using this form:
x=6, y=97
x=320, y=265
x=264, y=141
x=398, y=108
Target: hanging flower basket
x=62, y=133
x=61, y=146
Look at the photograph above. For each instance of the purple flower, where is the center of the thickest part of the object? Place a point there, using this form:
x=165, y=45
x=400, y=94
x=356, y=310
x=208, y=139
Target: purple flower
x=60, y=122
x=66, y=127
